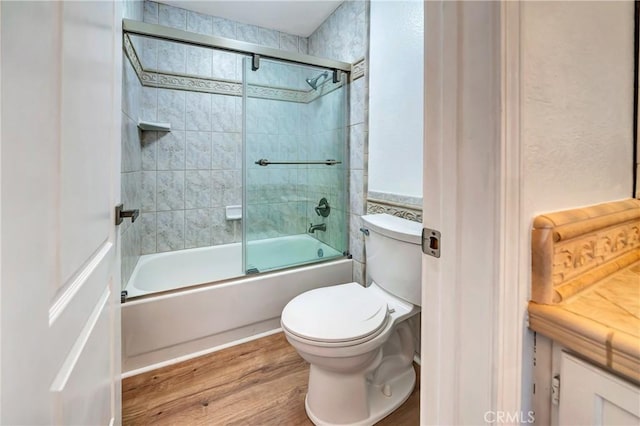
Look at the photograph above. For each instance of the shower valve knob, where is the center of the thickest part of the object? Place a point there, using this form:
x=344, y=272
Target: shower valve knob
x=323, y=209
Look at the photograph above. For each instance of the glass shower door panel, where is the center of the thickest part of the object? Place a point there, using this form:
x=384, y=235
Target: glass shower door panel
x=282, y=189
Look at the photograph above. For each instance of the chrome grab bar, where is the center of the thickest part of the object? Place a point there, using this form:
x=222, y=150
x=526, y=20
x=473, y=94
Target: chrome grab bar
x=265, y=162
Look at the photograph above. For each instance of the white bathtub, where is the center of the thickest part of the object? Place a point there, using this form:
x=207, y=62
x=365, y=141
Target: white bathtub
x=282, y=252
x=171, y=270
x=166, y=328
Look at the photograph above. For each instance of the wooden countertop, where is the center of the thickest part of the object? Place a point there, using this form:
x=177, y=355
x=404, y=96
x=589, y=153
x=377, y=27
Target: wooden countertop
x=601, y=323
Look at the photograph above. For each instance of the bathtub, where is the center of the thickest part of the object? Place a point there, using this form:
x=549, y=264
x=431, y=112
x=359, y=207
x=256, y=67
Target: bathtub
x=162, y=329
x=167, y=271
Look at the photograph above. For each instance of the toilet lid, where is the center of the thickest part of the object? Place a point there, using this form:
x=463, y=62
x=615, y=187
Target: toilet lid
x=335, y=314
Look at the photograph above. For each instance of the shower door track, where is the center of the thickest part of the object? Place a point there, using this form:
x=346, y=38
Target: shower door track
x=171, y=34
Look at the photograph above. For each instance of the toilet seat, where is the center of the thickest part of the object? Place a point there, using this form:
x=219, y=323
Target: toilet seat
x=346, y=313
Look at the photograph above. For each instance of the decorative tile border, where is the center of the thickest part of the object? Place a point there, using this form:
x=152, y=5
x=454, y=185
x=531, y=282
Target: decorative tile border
x=358, y=69
x=183, y=82
x=265, y=92
x=404, y=211
x=573, y=249
x=153, y=78
x=414, y=203
x=132, y=55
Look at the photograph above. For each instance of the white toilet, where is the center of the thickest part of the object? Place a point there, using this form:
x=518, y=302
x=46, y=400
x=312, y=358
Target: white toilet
x=356, y=339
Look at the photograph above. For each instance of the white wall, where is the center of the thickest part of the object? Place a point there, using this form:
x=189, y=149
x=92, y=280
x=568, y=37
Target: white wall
x=576, y=111
x=577, y=103
x=396, y=84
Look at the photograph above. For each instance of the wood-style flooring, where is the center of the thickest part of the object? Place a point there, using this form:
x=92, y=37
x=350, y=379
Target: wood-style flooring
x=262, y=382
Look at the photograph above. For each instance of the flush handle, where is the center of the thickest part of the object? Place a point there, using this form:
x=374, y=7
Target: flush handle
x=431, y=242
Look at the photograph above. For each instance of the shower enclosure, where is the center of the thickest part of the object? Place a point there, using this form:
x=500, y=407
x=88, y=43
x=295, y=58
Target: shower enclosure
x=272, y=191
x=294, y=151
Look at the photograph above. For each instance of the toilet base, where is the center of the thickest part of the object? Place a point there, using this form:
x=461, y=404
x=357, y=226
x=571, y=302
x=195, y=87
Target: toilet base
x=380, y=405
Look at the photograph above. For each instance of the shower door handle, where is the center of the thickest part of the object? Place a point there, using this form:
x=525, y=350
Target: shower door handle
x=265, y=162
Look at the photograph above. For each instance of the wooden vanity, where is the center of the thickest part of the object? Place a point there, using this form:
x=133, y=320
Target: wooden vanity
x=585, y=310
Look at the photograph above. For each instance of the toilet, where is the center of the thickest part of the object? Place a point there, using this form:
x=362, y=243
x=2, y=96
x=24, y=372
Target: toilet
x=357, y=339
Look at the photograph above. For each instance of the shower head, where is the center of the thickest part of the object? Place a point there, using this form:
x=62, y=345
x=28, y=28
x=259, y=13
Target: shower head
x=313, y=82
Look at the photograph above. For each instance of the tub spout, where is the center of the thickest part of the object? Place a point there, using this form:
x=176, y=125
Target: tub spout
x=313, y=228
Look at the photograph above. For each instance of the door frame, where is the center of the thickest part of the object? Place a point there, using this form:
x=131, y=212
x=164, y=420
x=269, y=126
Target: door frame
x=512, y=293
x=1, y=281
x=445, y=385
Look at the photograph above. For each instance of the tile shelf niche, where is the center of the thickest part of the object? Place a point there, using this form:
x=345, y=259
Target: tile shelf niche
x=154, y=126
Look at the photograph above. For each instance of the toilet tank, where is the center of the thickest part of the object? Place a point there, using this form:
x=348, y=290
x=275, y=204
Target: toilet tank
x=394, y=256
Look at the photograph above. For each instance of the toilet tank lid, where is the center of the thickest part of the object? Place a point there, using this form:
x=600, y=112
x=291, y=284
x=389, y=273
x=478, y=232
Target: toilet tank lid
x=394, y=227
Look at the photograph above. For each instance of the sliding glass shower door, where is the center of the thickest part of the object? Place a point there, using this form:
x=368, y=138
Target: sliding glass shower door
x=295, y=171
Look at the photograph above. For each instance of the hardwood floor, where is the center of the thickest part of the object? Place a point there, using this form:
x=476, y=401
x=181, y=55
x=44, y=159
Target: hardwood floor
x=262, y=382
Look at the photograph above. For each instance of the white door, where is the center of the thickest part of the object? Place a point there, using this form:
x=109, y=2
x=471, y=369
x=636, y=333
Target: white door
x=468, y=376
x=591, y=396
x=60, y=178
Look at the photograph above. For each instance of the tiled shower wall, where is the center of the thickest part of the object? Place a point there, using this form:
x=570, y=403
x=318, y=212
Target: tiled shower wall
x=190, y=174
x=275, y=194
x=282, y=198
x=179, y=210
x=344, y=36
x=326, y=135
x=131, y=154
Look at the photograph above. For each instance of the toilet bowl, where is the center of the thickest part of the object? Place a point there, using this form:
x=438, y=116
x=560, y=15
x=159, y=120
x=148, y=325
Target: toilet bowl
x=357, y=341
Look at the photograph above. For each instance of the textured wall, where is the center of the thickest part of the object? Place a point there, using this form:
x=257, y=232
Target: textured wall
x=395, y=101
x=577, y=99
x=577, y=93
